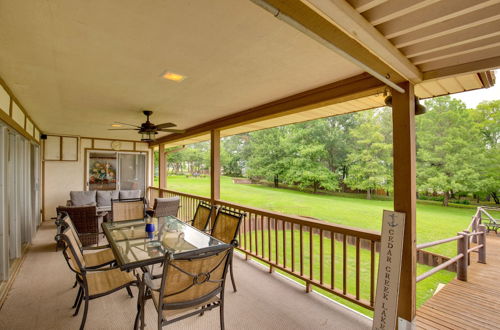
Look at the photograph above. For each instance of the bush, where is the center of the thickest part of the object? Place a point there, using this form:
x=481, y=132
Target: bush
x=431, y=198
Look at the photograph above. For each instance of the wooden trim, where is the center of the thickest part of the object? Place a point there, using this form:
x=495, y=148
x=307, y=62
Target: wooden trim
x=214, y=165
x=162, y=182
x=404, y=146
x=108, y=139
x=471, y=67
x=337, y=92
x=358, y=28
x=10, y=121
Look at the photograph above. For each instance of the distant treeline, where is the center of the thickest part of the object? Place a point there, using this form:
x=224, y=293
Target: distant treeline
x=458, y=152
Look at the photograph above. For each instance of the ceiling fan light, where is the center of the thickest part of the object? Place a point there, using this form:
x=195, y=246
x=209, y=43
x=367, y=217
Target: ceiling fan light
x=148, y=136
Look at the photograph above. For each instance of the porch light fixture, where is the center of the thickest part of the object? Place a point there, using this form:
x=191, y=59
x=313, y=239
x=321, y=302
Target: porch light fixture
x=173, y=76
x=419, y=108
x=148, y=136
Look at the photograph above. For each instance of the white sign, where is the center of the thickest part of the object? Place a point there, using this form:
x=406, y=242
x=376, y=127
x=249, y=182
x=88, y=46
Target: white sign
x=389, y=270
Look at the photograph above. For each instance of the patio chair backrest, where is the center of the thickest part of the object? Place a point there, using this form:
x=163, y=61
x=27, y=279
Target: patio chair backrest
x=195, y=277
x=72, y=252
x=127, y=209
x=166, y=206
x=226, y=226
x=71, y=227
x=202, y=215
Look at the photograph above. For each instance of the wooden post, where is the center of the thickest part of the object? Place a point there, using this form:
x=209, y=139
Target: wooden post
x=482, y=240
x=162, y=173
x=404, y=153
x=462, y=263
x=214, y=166
x=474, y=228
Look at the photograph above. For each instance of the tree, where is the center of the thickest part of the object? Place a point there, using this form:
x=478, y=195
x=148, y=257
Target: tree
x=487, y=118
x=371, y=157
x=233, y=161
x=449, y=152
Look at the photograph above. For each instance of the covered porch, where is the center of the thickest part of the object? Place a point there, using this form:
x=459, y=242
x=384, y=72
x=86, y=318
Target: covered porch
x=267, y=63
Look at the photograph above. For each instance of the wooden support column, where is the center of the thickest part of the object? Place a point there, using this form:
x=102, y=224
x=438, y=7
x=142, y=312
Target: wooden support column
x=162, y=173
x=403, y=121
x=214, y=165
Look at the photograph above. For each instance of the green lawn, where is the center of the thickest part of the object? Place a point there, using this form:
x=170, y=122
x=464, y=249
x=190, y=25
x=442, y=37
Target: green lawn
x=433, y=222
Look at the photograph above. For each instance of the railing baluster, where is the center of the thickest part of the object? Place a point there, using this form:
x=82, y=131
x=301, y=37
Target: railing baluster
x=357, y=267
x=321, y=256
x=372, y=272
x=344, y=264
x=283, y=224
x=245, y=231
x=250, y=232
x=262, y=235
x=256, y=225
x=311, y=253
x=292, y=225
x=269, y=238
x=332, y=265
x=301, y=251
x=276, y=246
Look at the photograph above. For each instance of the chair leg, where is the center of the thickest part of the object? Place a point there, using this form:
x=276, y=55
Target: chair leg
x=78, y=305
x=221, y=311
x=77, y=297
x=232, y=274
x=129, y=292
x=85, y=311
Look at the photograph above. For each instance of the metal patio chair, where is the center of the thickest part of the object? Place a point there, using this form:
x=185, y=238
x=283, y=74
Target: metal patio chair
x=94, y=283
x=226, y=226
x=191, y=284
x=86, y=222
x=128, y=209
x=202, y=216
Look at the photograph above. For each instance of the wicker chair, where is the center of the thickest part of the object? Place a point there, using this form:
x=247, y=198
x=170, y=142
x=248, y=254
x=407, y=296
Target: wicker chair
x=226, y=226
x=202, y=216
x=166, y=206
x=86, y=222
x=128, y=209
x=94, y=283
x=191, y=284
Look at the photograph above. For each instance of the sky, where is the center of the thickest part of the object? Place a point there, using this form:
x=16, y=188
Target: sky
x=473, y=98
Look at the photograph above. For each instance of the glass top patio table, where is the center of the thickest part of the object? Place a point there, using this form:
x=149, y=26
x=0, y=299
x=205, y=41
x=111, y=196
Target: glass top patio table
x=133, y=248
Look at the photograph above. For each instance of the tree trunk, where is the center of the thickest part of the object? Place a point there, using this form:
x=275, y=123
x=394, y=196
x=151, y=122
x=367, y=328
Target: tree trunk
x=446, y=198
x=276, y=181
x=315, y=187
x=368, y=194
x=495, y=197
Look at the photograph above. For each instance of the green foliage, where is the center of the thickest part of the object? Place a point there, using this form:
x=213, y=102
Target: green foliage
x=371, y=158
x=449, y=148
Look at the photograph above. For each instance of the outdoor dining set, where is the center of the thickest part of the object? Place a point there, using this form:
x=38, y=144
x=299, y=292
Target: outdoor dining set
x=180, y=266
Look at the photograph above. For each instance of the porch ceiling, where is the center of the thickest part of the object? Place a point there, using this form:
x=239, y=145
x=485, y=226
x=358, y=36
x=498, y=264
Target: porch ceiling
x=78, y=67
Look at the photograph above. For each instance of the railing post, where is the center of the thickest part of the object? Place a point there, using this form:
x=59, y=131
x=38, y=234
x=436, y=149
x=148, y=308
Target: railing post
x=462, y=248
x=474, y=228
x=482, y=240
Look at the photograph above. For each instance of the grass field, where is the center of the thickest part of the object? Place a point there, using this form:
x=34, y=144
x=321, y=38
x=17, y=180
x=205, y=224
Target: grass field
x=433, y=221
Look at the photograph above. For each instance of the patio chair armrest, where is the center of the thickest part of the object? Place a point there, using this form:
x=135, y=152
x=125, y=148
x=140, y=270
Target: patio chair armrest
x=104, y=269
x=148, y=280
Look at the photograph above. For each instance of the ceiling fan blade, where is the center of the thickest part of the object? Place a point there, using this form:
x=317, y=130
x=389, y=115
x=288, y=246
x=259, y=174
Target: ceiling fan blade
x=171, y=130
x=123, y=129
x=117, y=122
x=166, y=125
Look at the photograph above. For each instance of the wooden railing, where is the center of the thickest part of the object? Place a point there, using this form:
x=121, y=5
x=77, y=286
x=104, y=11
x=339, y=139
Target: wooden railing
x=464, y=240
x=477, y=219
x=337, y=259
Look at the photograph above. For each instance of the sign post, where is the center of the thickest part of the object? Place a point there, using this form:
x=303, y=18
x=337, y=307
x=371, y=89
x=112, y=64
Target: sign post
x=389, y=271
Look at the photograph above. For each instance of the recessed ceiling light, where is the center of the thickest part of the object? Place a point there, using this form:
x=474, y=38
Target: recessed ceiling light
x=116, y=125
x=173, y=76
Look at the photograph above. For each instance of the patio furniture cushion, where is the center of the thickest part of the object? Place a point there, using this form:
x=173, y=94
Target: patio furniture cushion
x=155, y=295
x=83, y=198
x=128, y=194
x=104, y=197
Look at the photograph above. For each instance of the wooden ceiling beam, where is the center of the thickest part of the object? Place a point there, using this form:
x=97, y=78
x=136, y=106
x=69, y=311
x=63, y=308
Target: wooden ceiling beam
x=307, y=20
x=393, y=10
x=341, y=91
x=427, y=16
x=364, y=5
x=461, y=37
x=449, y=26
x=354, y=24
x=469, y=67
x=476, y=56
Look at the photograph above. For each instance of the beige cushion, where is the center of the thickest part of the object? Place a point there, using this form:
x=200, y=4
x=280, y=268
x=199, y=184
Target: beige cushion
x=99, y=258
x=178, y=312
x=128, y=194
